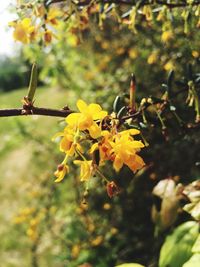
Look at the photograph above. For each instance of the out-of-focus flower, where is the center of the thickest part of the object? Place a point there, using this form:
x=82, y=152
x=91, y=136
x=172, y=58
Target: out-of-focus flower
x=153, y=58
x=75, y=251
x=61, y=171
x=167, y=36
x=97, y=241
x=169, y=65
x=106, y=206
x=52, y=16
x=48, y=36
x=23, y=30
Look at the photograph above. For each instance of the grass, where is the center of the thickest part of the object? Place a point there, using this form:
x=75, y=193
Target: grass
x=27, y=155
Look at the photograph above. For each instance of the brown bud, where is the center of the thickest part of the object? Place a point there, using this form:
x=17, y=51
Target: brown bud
x=112, y=189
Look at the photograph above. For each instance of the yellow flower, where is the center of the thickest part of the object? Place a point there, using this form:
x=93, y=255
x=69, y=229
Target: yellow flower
x=75, y=251
x=52, y=16
x=32, y=234
x=125, y=149
x=133, y=53
x=23, y=30
x=106, y=206
x=103, y=146
x=61, y=172
x=153, y=58
x=169, y=65
x=85, y=120
x=97, y=241
x=86, y=169
x=195, y=54
x=48, y=36
x=167, y=36
x=68, y=143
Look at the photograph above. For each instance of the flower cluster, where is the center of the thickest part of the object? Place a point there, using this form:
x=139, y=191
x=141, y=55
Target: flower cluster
x=41, y=25
x=93, y=127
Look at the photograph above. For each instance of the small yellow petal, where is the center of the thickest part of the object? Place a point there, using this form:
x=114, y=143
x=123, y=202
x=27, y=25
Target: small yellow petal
x=77, y=162
x=100, y=115
x=118, y=163
x=94, y=108
x=57, y=135
x=73, y=118
x=82, y=106
x=131, y=132
x=93, y=148
x=26, y=22
x=94, y=131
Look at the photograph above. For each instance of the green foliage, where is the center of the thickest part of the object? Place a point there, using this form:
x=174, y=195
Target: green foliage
x=13, y=74
x=177, y=248
x=193, y=261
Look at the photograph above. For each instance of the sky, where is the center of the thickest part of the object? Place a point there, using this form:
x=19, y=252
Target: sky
x=7, y=44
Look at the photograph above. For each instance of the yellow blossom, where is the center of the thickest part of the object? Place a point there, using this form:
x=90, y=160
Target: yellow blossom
x=85, y=120
x=19, y=219
x=169, y=65
x=68, y=143
x=147, y=11
x=61, y=171
x=75, y=251
x=48, y=36
x=86, y=169
x=103, y=146
x=167, y=36
x=23, y=30
x=97, y=241
x=106, y=206
x=114, y=231
x=52, y=16
x=125, y=149
x=32, y=234
x=195, y=54
x=153, y=58
x=133, y=53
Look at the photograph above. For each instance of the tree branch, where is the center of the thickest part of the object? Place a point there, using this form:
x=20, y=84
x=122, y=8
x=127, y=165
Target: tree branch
x=35, y=111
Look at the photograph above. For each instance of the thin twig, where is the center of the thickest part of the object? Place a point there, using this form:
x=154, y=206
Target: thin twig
x=35, y=111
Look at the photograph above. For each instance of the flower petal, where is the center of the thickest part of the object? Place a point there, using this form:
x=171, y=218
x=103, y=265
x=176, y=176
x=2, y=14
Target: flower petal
x=93, y=148
x=72, y=119
x=94, y=108
x=57, y=135
x=82, y=106
x=136, y=163
x=131, y=132
x=118, y=163
x=94, y=130
x=26, y=23
x=100, y=115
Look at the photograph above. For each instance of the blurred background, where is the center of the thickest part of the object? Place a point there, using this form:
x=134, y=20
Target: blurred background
x=46, y=224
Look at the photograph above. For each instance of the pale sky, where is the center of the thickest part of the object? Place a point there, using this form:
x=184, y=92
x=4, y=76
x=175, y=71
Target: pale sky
x=7, y=45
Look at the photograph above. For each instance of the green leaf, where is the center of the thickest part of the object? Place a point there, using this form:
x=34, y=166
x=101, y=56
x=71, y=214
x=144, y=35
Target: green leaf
x=193, y=261
x=177, y=248
x=117, y=104
x=196, y=247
